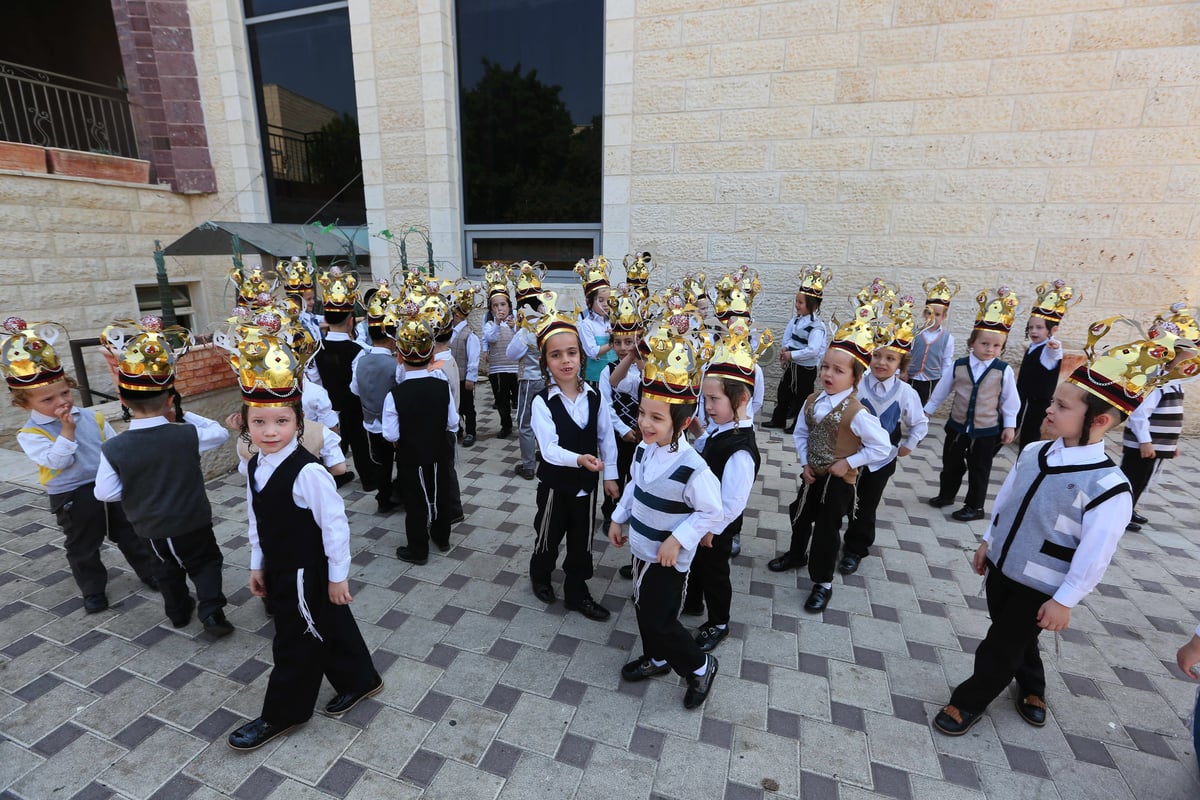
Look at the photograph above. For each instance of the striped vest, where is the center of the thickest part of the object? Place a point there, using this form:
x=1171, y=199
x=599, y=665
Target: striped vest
x=498, y=360
x=1166, y=423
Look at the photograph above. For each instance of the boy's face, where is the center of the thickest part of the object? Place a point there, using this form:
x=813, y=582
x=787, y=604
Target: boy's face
x=271, y=429
x=654, y=422
x=562, y=357
x=623, y=343
x=987, y=344
x=935, y=315
x=801, y=305
x=702, y=307
x=885, y=362
x=837, y=371
x=1036, y=330
x=1064, y=416
x=52, y=399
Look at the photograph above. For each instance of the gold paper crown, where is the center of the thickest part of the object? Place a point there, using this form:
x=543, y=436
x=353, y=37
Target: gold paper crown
x=464, y=298
x=637, y=272
x=527, y=278
x=593, y=272
x=1053, y=299
x=735, y=293
x=146, y=352
x=939, y=293
x=674, y=367
x=1124, y=374
x=898, y=328
x=550, y=320
x=812, y=281
x=1183, y=320
x=860, y=336
x=625, y=311
x=253, y=287
x=695, y=286
x=27, y=355
x=339, y=289
x=380, y=313
x=496, y=277
x=268, y=371
x=415, y=330
x=282, y=320
x=296, y=274
x=998, y=313
x=878, y=295
x=736, y=354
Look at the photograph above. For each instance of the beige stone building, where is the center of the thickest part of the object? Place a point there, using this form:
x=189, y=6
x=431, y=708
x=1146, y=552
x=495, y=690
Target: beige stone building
x=991, y=141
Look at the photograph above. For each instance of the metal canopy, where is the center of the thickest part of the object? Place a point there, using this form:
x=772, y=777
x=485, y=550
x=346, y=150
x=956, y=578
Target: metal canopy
x=277, y=239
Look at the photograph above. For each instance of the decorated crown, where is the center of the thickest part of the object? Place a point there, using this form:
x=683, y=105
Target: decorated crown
x=674, y=367
x=269, y=372
x=695, y=286
x=593, y=272
x=625, y=311
x=939, y=293
x=897, y=328
x=27, y=355
x=812, y=281
x=253, y=287
x=550, y=320
x=736, y=354
x=1180, y=320
x=735, y=293
x=637, y=272
x=1124, y=374
x=379, y=307
x=464, y=297
x=416, y=329
x=296, y=274
x=996, y=314
x=1053, y=300
x=527, y=278
x=146, y=352
x=860, y=336
x=496, y=277
x=339, y=289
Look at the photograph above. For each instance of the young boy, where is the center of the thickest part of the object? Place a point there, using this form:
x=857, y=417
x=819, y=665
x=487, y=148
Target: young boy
x=933, y=349
x=373, y=376
x=1040, y=366
x=65, y=443
x=465, y=348
x=1057, y=520
x=800, y=351
x=333, y=368
x=154, y=469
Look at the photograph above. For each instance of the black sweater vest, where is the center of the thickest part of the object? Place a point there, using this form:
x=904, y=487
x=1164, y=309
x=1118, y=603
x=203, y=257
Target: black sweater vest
x=1034, y=380
x=335, y=361
x=288, y=535
x=720, y=448
x=422, y=403
x=574, y=438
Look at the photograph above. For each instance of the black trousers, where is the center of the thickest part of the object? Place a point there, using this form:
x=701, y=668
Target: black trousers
x=860, y=531
x=454, y=506
x=383, y=456
x=922, y=388
x=301, y=659
x=1010, y=649
x=354, y=441
x=86, y=522
x=562, y=515
x=657, y=598
x=625, y=451
x=504, y=393
x=708, y=584
x=466, y=408
x=1139, y=470
x=1033, y=413
x=192, y=555
x=821, y=506
x=794, y=388
x=427, y=493
x=963, y=455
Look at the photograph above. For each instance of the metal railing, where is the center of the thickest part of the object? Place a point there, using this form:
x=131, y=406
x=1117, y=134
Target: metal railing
x=51, y=110
x=290, y=154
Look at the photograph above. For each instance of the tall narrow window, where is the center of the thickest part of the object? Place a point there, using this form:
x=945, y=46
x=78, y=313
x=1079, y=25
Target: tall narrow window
x=307, y=111
x=531, y=103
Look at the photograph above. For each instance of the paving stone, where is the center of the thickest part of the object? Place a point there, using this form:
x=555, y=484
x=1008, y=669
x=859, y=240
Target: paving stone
x=152, y=763
x=456, y=781
x=33, y=663
x=464, y=732
x=16, y=761
x=834, y=751
x=606, y=716
x=758, y=756
x=536, y=777
x=686, y=765
x=471, y=676
x=71, y=769
x=851, y=684
x=35, y=719
x=614, y=773
x=537, y=724
x=390, y=741
x=536, y=671
x=736, y=701
x=407, y=682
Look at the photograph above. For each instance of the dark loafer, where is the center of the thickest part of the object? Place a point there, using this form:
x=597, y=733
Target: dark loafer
x=254, y=735
x=150, y=583
x=405, y=554
x=643, y=668
x=341, y=480
x=1133, y=526
x=442, y=546
x=1032, y=709
x=700, y=685
x=968, y=514
x=849, y=564
x=626, y=572
x=735, y=546
x=693, y=611
x=95, y=603
x=215, y=624
x=710, y=636
x=1138, y=518
x=818, y=599
x=342, y=703
x=181, y=619
x=544, y=592
x=772, y=424
x=589, y=608
x=787, y=561
x=940, y=502
x=469, y=440
x=954, y=721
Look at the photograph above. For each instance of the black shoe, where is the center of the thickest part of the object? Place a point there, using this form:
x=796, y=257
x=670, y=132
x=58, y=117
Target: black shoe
x=735, y=545
x=940, y=502
x=150, y=583
x=544, y=592
x=710, y=636
x=369, y=488
x=215, y=624
x=1139, y=519
x=404, y=553
x=181, y=619
x=1133, y=526
x=954, y=721
x=968, y=514
x=343, y=479
x=786, y=562
x=642, y=668
x=790, y=429
x=849, y=564
x=626, y=572
x=458, y=519
x=700, y=685
x=254, y=735
x=504, y=433
x=526, y=473
x=692, y=611
x=469, y=440
x=386, y=507
x=589, y=608
x=1032, y=709
x=342, y=703
x=95, y=603
x=772, y=424
x=442, y=546
x=818, y=599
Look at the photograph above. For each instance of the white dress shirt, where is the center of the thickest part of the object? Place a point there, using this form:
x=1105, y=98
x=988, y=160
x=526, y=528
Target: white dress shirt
x=912, y=414
x=212, y=434
x=736, y=480
x=377, y=425
x=1010, y=401
x=311, y=373
x=391, y=419
x=315, y=403
x=1049, y=357
x=876, y=446
x=315, y=490
x=462, y=329
x=547, y=434
x=810, y=355
x=590, y=326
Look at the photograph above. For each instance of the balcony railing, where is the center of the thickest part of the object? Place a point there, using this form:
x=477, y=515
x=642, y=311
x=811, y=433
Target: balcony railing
x=51, y=110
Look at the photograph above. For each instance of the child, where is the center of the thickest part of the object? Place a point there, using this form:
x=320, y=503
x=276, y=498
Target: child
x=419, y=417
x=892, y=402
x=464, y=347
x=621, y=386
x=984, y=413
x=440, y=318
x=1152, y=433
x=499, y=327
x=65, y=444
x=671, y=502
x=731, y=452
x=1039, y=368
x=333, y=368
x=735, y=297
x=595, y=332
x=800, y=351
x=299, y=559
x=933, y=350
x=834, y=437
x=297, y=277
x=372, y=377
x=1056, y=524
x=523, y=349
x=570, y=431
x=154, y=469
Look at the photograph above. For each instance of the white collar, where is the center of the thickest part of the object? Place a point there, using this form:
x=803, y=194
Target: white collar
x=554, y=390
x=874, y=382
x=273, y=460
x=42, y=419
x=337, y=336
x=976, y=362
x=141, y=423
x=1080, y=454
x=834, y=399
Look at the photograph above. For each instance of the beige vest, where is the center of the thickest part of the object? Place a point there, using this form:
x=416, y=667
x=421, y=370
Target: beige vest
x=976, y=407
x=831, y=438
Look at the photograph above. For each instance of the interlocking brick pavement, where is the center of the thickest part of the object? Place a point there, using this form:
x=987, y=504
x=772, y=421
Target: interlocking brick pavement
x=490, y=694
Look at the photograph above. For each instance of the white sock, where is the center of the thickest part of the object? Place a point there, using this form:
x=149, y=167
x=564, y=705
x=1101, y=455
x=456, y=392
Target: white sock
x=721, y=627
x=658, y=663
x=703, y=669
x=826, y=585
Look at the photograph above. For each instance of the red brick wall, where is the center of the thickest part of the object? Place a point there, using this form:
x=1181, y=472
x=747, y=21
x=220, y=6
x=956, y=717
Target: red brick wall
x=204, y=368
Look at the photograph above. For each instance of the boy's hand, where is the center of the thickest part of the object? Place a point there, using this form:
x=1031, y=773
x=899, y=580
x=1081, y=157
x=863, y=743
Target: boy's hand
x=903, y=451
x=1007, y=435
x=979, y=562
x=234, y=422
x=258, y=587
x=1188, y=656
x=1053, y=344
x=68, y=422
x=1146, y=449
x=668, y=552
x=707, y=540
x=630, y=436
x=590, y=463
x=807, y=475
x=612, y=490
x=339, y=593
x=615, y=536
x=1053, y=616
x=839, y=468
x=469, y=385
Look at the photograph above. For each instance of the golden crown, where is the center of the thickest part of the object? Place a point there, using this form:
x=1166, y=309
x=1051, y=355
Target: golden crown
x=527, y=278
x=997, y=313
x=27, y=355
x=416, y=328
x=296, y=274
x=278, y=319
x=549, y=320
x=898, y=328
x=339, y=289
x=464, y=297
x=253, y=286
x=625, y=311
x=146, y=352
x=495, y=276
x=812, y=281
x=1124, y=374
x=269, y=372
x=380, y=313
x=860, y=336
x=674, y=367
x=1053, y=299
x=939, y=293
x=637, y=272
x=695, y=286
x=736, y=353
x=735, y=293
x=1180, y=320
x=593, y=272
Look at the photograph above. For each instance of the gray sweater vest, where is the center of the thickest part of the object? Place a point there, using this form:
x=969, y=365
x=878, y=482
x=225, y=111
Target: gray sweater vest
x=87, y=452
x=376, y=376
x=162, y=484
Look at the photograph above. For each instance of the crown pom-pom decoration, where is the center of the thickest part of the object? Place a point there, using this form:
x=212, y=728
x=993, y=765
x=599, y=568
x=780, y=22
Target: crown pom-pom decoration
x=295, y=273
x=254, y=287
x=27, y=355
x=637, y=272
x=526, y=278
x=812, y=281
x=674, y=365
x=339, y=289
x=1124, y=374
x=939, y=292
x=549, y=320
x=996, y=313
x=1053, y=300
x=1182, y=322
x=736, y=351
x=146, y=352
x=593, y=272
x=626, y=313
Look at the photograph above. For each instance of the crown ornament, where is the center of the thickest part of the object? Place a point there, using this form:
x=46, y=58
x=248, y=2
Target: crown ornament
x=593, y=272
x=1124, y=374
x=812, y=281
x=495, y=275
x=526, y=278
x=898, y=329
x=637, y=272
x=735, y=293
x=736, y=352
x=1183, y=319
x=27, y=355
x=339, y=289
x=269, y=372
x=860, y=336
x=674, y=367
x=695, y=286
x=463, y=296
x=380, y=314
x=416, y=330
x=1053, y=299
x=295, y=273
x=549, y=320
x=996, y=314
x=939, y=292
x=625, y=311
x=146, y=352
x=254, y=288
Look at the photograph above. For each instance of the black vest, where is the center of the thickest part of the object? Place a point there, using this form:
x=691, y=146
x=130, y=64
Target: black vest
x=720, y=448
x=335, y=362
x=288, y=535
x=162, y=482
x=1034, y=381
x=423, y=403
x=574, y=438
